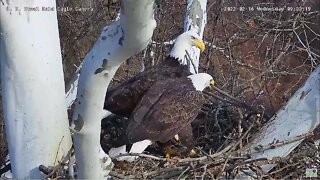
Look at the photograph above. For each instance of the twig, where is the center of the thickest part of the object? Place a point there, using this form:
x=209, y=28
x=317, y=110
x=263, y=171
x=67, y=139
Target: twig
x=57, y=167
x=204, y=172
x=236, y=102
x=143, y=67
x=154, y=173
x=219, y=154
x=216, y=121
x=240, y=125
x=241, y=138
x=209, y=157
x=224, y=166
x=260, y=148
x=287, y=166
x=220, y=98
x=240, y=102
x=190, y=60
x=146, y=156
x=55, y=159
x=187, y=169
x=120, y=176
x=163, y=43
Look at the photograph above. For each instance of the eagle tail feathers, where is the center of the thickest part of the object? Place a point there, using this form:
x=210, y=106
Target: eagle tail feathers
x=114, y=152
x=136, y=148
x=140, y=146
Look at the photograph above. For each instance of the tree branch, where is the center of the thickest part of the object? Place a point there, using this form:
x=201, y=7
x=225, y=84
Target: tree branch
x=117, y=42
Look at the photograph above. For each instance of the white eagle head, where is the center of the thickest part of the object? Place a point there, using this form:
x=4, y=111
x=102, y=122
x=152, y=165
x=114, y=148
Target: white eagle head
x=184, y=42
x=201, y=80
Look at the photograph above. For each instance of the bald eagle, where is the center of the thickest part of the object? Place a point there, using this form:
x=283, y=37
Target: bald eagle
x=167, y=107
x=124, y=98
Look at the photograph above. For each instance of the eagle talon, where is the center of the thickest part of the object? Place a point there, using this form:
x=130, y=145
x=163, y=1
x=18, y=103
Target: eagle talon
x=176, y=137
x=169, y=152
x=192, y=153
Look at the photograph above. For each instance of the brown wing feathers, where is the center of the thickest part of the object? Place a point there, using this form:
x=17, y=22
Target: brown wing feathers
x=148, y=102
x=123, y=99
x=174, y=102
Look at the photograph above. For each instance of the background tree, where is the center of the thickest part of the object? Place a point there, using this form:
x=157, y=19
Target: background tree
x=122, y=39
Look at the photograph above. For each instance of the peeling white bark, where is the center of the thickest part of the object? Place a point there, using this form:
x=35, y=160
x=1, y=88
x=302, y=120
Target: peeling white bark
x=35, y=115
x=195, y=19
x=301, y=115
x=119, y=41
x=72, y=88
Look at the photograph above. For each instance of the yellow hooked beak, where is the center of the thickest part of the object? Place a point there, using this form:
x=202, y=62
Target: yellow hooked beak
x=211, y=84
x=199, y=43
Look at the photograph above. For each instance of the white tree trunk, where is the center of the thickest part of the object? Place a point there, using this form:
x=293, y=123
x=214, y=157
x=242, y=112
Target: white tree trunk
x=119, y=41
x=35, y=115
x=301, y=115
x=195, y=19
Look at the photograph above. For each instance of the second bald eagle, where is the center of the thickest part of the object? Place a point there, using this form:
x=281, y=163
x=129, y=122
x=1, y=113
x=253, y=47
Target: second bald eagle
x=167, y=107
x=124, y=98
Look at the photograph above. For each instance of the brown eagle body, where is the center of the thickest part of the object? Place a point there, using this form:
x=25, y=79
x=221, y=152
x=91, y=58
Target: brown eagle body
x=164, y=110
x=161, y=100
x=123, y=99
